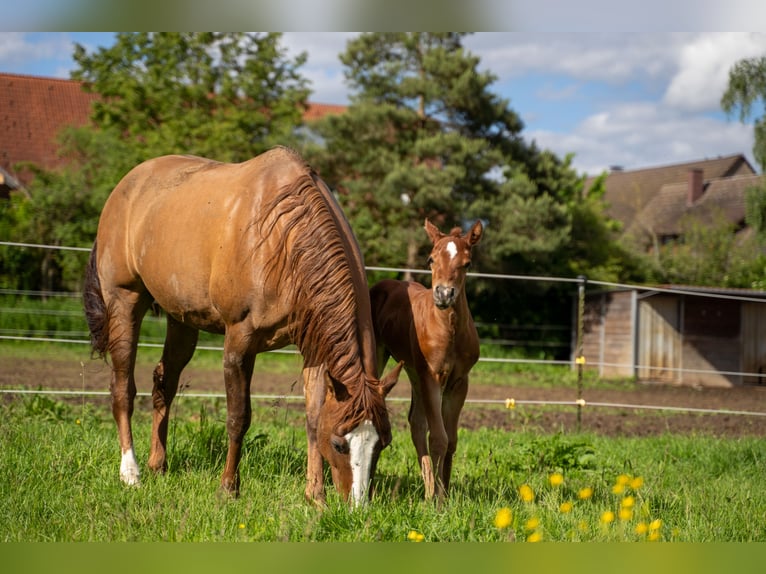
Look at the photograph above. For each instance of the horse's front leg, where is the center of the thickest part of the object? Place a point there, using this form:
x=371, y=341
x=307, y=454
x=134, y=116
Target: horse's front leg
x=452, y=404
x=313, y=389
x=238, y=362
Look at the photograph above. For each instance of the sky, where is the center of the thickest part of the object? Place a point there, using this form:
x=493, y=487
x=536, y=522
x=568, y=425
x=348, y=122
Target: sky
x=629, y=99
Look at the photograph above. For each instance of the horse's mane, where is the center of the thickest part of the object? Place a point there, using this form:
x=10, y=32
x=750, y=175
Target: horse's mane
x=318, y=279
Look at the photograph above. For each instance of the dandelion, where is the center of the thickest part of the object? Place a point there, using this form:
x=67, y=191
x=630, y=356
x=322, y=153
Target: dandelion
x=534, y=537
x=655, y=525
x=623, y=480
x=628, y=502
x=625, y=514
x=415, y=536
x=607, y=516
x=618, y=488
x=503, y=518
x=585, y=493
x=556, y=479
x=241, y=526
x=532, y=523
x=653, y=536
x=636, y=483
x=510, y=404
x=526, y=493
x=77, y=422
x=565, y=507
x=642, y=528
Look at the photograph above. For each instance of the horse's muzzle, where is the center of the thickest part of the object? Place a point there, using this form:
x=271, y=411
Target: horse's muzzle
x=444, y=296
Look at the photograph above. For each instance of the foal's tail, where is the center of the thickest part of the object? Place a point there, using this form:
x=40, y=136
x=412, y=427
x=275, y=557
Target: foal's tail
x=96, y=311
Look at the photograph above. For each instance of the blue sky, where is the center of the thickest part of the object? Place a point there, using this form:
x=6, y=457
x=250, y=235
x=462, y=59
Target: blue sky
x=631, y=99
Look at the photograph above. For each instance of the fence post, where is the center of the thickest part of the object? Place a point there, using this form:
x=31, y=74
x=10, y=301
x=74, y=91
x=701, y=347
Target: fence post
x=579, y=358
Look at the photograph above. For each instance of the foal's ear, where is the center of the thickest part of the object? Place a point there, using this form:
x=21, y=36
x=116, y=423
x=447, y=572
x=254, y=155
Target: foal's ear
x=474, y=234
x=433, y=231
x=387, y=383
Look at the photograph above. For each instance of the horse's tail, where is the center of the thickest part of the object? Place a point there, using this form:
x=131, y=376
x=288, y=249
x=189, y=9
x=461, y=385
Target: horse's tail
x=96, y=311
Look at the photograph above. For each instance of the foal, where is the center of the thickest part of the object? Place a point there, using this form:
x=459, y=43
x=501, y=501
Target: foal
x=433, y=332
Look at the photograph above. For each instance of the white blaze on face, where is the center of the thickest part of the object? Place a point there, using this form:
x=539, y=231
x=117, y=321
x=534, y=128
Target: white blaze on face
x=452, y=249
x=361, y=444
x=129, y=472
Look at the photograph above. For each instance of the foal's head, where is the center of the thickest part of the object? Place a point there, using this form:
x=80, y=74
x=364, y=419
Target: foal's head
x=449, y=261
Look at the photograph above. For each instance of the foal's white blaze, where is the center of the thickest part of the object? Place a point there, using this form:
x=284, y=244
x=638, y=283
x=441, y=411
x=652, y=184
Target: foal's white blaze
x=129, y=472
x=361, y=443
x=452, y=249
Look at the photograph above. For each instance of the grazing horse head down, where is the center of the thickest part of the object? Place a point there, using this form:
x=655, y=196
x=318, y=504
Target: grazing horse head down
x=433, y=333
x=261, y=253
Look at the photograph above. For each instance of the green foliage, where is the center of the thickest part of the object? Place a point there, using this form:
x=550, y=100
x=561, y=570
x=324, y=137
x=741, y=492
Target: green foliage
x=746, y=88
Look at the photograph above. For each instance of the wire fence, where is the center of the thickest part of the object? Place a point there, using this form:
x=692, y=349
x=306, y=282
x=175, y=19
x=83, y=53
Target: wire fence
x=577, y=361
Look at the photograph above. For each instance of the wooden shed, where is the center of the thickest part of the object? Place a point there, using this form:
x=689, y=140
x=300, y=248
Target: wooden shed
x=689, y=336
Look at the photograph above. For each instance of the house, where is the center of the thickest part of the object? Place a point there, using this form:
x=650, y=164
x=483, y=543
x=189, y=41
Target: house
x=34, y=109
x=635, y=197
x=695, y=336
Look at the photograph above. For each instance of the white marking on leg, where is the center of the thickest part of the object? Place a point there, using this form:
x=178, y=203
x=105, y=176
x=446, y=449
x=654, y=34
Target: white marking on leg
x=361, y=443
x=452, y=249
x=129, y=472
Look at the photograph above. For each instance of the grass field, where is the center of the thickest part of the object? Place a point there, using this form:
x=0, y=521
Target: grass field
x=59, y=463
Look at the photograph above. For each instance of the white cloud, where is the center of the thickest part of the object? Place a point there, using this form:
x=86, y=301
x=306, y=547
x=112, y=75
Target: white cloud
x=703, y=68
x=637, y=135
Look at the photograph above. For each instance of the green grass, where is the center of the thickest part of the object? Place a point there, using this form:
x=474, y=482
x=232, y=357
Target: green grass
x=59, y=465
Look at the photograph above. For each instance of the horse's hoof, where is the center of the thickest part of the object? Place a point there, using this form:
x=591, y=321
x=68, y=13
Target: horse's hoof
x=130, y=479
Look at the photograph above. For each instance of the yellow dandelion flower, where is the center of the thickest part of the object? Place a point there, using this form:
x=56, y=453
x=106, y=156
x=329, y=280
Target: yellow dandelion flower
x=534, y=537
x=526, y=493
x=415, y=536
x=642, y=528
x=653, y=536
x=607, y=516
x=241, y=525
x=618, y=489
x=565, y=507
x=510, y=404
x=625, y=513
x=77, y=422
x=503, y=518
x=628, y=502
x=532, y=523
x=556, y=479
x=623, y=480
x=636, y=483
x=655, y=524
x=585, y=493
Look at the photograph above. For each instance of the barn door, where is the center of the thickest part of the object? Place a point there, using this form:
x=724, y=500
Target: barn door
x=754, y=343
x=659, y=339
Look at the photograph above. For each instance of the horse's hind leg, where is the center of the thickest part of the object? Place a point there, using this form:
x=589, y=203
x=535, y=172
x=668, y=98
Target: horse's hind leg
x=126, y=310
x=180, y=342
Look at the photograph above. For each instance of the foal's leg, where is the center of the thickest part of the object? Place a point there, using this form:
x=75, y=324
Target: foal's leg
x=452, y=404
x=419, y=433
x=314, y=391
x=180, y=341
x=126, y=310
x=238, y=362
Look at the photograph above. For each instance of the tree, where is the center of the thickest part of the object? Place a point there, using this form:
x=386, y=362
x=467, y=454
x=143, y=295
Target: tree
x=420, y=140
x=747, y=87
x=227, y=96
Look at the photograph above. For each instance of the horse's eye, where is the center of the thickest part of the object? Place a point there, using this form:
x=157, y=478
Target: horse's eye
x=467, y=265
x=430, y=261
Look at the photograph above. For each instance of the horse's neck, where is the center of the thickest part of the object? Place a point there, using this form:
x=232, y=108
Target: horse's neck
x=453, y=319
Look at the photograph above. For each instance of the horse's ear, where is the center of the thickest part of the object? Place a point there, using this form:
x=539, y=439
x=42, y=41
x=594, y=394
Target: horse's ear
x=433, y=231
x=474, y=234
x=387, y=383
x=337, y=390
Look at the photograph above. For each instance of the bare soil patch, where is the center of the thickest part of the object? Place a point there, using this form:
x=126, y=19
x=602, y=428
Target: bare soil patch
x=621, y=419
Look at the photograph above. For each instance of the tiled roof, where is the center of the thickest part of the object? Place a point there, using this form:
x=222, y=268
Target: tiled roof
x=664, y=213
x=34, y=109
x=629, y=192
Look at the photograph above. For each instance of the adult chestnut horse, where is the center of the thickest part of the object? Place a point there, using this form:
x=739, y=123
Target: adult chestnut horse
x=260, y=252
x=432, y=331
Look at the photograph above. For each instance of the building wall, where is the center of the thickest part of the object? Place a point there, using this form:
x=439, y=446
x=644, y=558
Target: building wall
x=608, y=343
